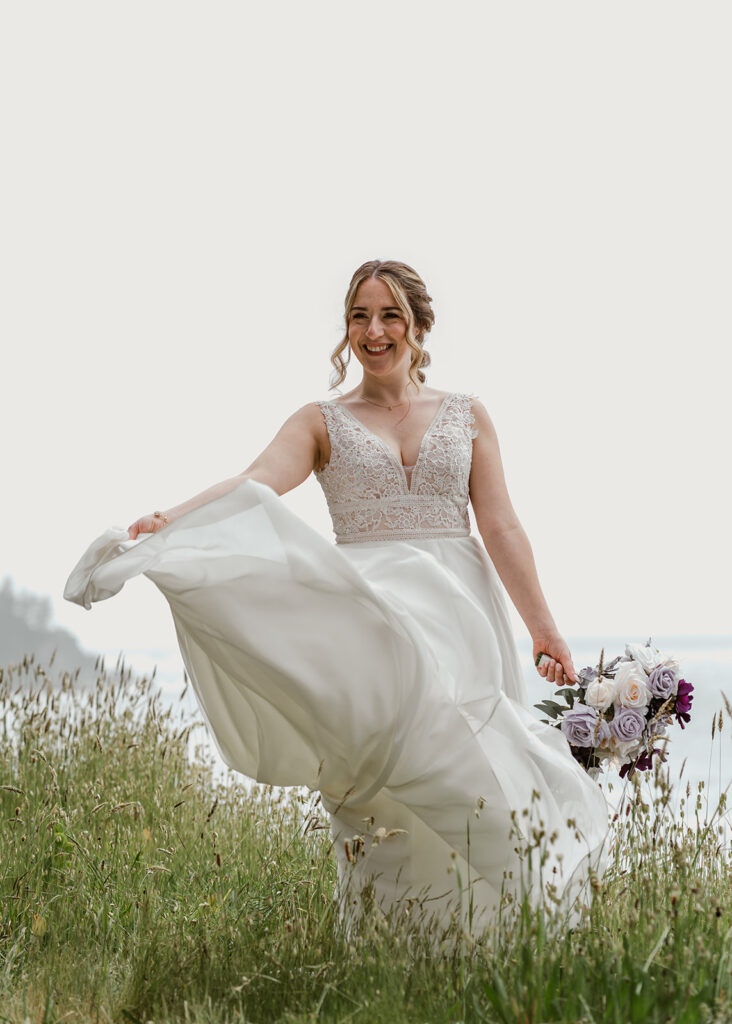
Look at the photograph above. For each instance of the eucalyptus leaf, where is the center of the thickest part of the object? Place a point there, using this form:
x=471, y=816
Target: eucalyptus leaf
x=551, y=708
x=564, y=691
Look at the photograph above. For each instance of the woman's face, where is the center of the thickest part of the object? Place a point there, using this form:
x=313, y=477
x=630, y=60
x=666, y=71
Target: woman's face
x=377, y=329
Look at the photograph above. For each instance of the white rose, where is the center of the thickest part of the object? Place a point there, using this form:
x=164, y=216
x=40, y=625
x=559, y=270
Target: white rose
x=647, y=657
x=626, y=750
x=632, y=686
x=601, y=693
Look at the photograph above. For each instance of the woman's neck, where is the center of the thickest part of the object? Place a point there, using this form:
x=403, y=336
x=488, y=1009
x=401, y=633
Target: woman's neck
x=385, y=392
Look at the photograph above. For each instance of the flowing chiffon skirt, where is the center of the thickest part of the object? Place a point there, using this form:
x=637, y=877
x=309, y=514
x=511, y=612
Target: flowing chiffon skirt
x=384, y=675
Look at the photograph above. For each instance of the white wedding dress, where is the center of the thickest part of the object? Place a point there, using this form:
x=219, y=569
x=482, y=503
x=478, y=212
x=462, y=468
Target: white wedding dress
x=381, y=671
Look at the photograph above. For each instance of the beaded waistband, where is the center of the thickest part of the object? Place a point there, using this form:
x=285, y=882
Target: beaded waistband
x=386, y=535
x=399, y=517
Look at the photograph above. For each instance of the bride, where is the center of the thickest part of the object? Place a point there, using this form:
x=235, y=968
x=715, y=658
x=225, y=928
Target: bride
x=381, y=670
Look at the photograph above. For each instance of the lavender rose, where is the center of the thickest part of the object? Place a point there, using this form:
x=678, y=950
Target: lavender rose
x=663, y=682
x=579, y=725
x=628, y=724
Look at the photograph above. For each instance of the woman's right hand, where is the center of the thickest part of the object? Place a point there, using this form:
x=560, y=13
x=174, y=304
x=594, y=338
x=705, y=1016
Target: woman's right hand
x=146, y=524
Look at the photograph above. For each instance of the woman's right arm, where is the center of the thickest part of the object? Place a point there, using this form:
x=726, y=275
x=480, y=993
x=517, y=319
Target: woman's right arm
x=286, y=462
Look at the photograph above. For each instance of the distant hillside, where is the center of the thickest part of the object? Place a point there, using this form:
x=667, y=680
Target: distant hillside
x=26, y=629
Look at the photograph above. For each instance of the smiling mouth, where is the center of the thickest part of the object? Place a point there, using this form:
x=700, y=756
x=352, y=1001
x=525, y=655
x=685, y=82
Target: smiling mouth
x=376, y=349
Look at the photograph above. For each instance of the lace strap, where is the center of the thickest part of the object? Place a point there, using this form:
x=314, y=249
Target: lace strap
x=328, y=410
x=467, y=411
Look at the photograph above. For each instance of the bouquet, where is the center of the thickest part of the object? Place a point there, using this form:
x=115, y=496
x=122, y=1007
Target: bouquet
x=618, y=711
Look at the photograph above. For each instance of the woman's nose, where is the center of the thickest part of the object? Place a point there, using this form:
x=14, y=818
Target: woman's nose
x=375, y=328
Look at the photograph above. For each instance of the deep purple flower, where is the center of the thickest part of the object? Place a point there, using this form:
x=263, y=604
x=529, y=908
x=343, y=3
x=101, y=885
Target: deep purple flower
x=628, y=724
x=583, y=727
x=642, y=763
x=683, y=702
x=662, y=682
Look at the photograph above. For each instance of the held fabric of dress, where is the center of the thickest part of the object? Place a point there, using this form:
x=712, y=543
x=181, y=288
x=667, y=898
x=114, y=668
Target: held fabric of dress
x=380, y=670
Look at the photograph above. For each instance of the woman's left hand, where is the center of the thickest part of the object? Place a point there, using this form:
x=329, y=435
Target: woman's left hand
x=557, y=666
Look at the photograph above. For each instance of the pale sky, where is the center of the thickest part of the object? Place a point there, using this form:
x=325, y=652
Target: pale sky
x=187, y=189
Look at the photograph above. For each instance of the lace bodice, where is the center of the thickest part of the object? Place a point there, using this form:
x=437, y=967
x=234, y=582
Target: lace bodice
x=371, y=497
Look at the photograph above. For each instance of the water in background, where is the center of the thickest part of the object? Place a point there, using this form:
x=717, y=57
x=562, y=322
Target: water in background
x=706, y=661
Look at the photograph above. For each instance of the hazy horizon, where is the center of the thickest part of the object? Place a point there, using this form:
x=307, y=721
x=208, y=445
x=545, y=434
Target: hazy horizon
x=28, y=625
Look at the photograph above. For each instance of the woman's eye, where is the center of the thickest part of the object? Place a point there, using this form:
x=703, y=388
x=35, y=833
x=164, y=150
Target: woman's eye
x=362, y=316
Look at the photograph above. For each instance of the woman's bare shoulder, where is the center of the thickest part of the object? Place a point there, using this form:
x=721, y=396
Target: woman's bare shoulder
x=307, y=425
x=308, y=417
x=310, y=412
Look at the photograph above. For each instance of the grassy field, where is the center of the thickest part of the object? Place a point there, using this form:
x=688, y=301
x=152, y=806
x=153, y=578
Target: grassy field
x=137, y=888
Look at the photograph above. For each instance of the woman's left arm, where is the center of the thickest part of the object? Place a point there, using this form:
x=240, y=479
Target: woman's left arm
x=510, y=551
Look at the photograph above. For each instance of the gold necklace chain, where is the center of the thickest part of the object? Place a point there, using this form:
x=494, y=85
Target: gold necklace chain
x=378, y=404
x=390, y=407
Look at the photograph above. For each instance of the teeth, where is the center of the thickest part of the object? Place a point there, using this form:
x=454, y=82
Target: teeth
x=381, y=348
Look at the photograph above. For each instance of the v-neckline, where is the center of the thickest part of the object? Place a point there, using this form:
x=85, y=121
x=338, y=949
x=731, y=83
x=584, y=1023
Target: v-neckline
x=407, y=481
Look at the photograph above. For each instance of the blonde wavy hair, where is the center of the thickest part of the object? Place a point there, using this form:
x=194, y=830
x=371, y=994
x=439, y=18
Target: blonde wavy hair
x=410, y=295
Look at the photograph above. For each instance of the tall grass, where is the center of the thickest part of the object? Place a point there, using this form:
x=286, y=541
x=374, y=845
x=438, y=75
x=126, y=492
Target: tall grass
x=135, y=886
